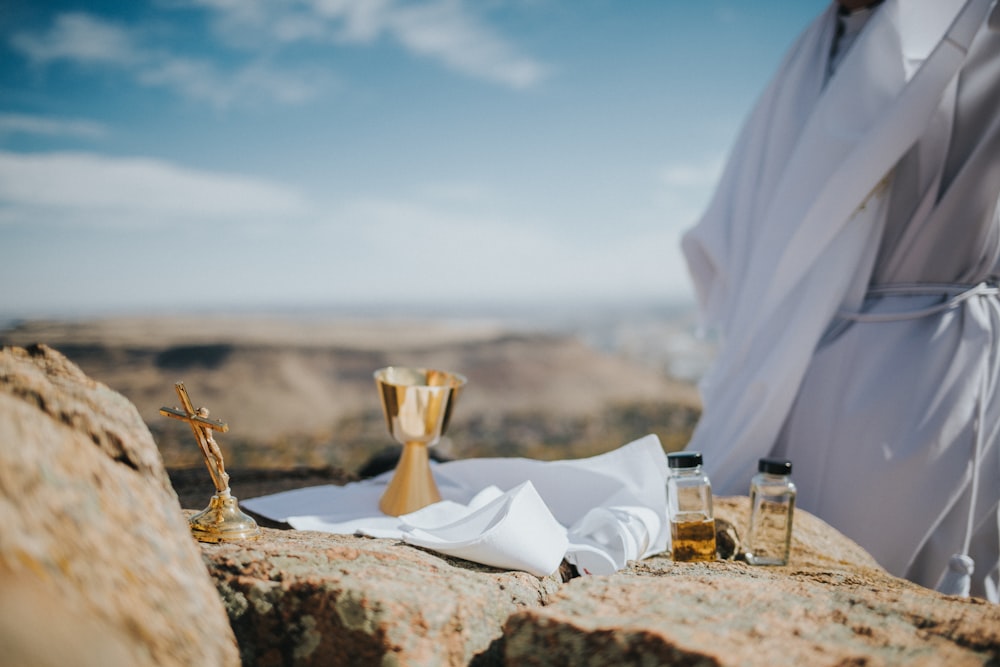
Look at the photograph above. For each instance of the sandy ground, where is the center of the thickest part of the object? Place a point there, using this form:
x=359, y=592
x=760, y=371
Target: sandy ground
x=299, y=391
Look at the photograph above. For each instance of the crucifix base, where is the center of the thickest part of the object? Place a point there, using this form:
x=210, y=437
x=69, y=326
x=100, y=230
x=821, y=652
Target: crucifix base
x=223, y=521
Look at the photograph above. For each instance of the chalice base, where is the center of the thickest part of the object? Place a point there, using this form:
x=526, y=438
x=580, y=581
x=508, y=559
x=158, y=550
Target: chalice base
x=412, y=486
x=223, y=521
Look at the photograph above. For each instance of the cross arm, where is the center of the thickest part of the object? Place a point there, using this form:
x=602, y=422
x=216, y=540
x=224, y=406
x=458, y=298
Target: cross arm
x=195, y=419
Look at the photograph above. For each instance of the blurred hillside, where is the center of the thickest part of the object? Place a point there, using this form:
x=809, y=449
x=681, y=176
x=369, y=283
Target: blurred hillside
x=298, y=391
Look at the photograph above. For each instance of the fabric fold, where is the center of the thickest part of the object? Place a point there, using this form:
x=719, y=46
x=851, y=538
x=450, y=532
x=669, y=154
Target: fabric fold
x=515, y=531
x=598, y=513
x=607, y=538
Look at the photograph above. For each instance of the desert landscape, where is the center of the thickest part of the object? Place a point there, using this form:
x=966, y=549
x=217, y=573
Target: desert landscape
x=297, y=391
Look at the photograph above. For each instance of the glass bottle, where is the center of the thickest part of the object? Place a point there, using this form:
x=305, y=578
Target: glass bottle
x=772, y=503
x=689, y=509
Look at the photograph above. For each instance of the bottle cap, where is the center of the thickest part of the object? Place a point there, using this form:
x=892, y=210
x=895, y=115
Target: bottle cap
x=684, y=459
x=775, y=466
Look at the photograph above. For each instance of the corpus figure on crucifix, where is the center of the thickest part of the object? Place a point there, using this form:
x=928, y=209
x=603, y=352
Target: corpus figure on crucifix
x=202, y=427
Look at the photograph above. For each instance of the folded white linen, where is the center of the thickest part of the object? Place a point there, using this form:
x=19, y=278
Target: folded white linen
x=511, y=513
x=513, y=532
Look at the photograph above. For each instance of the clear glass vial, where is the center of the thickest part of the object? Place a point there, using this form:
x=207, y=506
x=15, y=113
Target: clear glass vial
x=689, y=509
x=772, y=503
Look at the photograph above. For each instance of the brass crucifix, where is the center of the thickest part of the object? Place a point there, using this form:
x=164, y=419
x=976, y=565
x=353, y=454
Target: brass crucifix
x=222, y=520
x=203, y=427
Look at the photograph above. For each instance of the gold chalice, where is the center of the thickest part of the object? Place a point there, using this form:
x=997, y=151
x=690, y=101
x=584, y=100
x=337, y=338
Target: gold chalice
x=417, y=404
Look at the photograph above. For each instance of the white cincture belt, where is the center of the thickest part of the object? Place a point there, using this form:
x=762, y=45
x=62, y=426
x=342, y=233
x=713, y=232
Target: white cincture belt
x=957, y=579
x=952, y=295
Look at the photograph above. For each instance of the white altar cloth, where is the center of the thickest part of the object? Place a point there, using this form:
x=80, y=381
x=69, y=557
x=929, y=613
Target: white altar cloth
x=598, y=513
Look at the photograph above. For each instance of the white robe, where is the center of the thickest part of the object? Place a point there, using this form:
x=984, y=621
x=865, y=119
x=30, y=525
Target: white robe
x=888, y=173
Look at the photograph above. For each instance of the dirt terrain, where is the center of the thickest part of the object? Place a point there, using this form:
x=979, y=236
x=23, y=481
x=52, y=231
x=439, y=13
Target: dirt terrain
x=299, y=391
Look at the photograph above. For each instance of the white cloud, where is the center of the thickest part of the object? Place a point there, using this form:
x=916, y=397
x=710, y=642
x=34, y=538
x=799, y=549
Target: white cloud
x=363, y=20
x=447, y=31
x=444, y=30
x=419, y=250
x=81, y=38
x=13, y=123
x=443, y=241
x=201, y=80
x=90, y=40
x=686, y=175
x=126, y=193
x=447, y=243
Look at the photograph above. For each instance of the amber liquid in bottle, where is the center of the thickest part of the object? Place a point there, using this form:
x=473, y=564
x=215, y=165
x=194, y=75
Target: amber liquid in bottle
x=692, y=538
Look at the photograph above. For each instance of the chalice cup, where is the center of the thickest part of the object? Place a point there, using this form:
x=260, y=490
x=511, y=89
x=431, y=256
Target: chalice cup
x=417, y=404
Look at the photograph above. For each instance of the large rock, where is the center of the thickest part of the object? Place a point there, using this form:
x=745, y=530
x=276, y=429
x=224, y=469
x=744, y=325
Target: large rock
x=723, y=615
x=96, y=560
x=832, y=605
x=307, y=598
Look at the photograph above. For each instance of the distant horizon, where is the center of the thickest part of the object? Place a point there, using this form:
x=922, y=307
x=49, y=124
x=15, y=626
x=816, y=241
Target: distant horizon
x=659, y=333
x=500, y=308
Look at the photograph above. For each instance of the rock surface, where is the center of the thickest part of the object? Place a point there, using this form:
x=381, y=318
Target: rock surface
x=307, y=598
x=96, y=559
x=832, y=605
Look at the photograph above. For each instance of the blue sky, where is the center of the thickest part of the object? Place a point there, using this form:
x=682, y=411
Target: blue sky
x=228, y=154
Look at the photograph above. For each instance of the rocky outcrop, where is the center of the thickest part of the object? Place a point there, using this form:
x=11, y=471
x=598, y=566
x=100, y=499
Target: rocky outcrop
x=832, y=605
x=97, y=567
x=725, y=614
x=96, y=560
x=305, y=598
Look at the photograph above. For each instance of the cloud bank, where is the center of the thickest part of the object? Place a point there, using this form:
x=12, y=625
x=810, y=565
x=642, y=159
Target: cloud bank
x=15, y=123
x=143, y=218
x=254, y=35
x=95, y=191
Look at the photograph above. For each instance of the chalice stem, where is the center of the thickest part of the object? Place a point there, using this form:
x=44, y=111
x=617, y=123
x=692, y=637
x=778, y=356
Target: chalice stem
x=412, y=485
